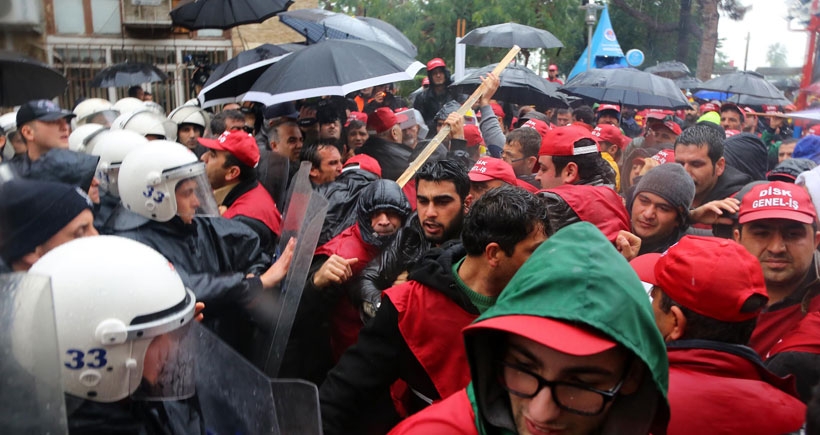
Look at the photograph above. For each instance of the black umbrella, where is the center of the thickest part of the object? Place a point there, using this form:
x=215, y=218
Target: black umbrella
x=128, y=74
x=518, y=84
x=687, y=82
x=23, y=79
x=508, y=34
x=394, y=33
x=230, y=80
x=332, y=67
x=225, y=14
x=318, y=24
x=670, y=69
x=756, y=102
x=626, y=86
x=744, y=83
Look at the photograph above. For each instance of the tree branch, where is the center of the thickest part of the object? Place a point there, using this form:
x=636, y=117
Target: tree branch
x=644, y=18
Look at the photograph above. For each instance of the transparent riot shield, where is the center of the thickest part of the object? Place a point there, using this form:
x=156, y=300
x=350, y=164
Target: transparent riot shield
x=31, y=387
x=237, y=398
x=303, y=220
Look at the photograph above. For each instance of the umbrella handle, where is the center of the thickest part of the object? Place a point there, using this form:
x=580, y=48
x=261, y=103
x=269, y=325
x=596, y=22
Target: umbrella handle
x=434, y=143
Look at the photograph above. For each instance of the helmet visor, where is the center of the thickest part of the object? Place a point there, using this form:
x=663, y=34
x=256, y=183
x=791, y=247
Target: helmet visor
x=104, y=118
x=168, y=368
x=192, y=193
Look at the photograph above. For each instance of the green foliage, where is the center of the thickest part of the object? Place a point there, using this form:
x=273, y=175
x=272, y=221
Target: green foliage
x=776, y=55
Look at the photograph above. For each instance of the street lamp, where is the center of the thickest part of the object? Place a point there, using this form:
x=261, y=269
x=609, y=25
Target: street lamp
x=591, y=9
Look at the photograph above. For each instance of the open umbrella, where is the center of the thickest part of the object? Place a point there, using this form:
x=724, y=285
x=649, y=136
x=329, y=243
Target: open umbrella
x=394, y=33
x=687, y=82
x=508, y=34
x=518, y=84
x=318, y=24
x=23, y=79
x=626, y=86
x=742, y=100
x=128, y=74
x=671, y=69
x=230, y=80
x=225, y=14
x=744, y=83
x=332, y=67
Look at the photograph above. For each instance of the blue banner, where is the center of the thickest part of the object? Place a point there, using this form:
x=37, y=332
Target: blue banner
x=605, y=48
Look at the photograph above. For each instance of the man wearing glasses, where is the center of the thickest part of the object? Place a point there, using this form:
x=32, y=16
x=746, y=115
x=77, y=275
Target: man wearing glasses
x=570, y=347
x=521, y=152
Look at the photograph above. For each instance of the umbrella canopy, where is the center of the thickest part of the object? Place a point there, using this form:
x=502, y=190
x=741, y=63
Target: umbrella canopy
x=518, y=84
x=225, y=14
x=23, y=79
x=508, y=34
x=345, y=66
x=671, y=69
x=626, y=86
x=394, y=33
x=318, y=24
x=742, y=100
x=744, y=83
x=128, y=74
x=687, y=82
x=230, y=80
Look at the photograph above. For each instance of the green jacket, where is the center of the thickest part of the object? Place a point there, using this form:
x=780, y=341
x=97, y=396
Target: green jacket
x=577, y=276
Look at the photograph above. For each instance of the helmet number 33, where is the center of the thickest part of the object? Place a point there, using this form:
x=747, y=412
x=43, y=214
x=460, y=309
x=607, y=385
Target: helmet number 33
x=155, y=195
x=94, y=358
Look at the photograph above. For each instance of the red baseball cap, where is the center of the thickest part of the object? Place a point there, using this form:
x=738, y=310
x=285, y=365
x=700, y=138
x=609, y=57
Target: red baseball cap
x=730, y=133
x=736, y=108
x=425, y=81
x=644, y=266
x=709, y=107
x=598, y=205
x=610, y=133
x=237, y=142
x=436, y=62
x=777, y=200
x=711, y=276
x=658, y=113
x=364, y=161
x=614, y=107
x=669, y=125
x=556, y=334
x=473, y=135
x=553, y=67
x=490, y=168
x=356, y=116
x=538, y=125
x=497, y=110
x=770, y=108
x=383, y=119
x=663, y=156
x=561, y=142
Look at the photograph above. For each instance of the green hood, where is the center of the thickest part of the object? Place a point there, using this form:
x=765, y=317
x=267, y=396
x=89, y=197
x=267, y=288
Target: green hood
x=577, y=276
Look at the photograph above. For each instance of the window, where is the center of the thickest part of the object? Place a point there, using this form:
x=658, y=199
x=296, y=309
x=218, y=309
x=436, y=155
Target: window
x=105, y=15
x=68, y=16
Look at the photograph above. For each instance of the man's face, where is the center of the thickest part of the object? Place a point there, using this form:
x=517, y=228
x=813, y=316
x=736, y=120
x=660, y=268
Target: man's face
x=290, y=142
x=215, y=167
x=514, y=155
x=234, y=124
x=665, y=321
x=508, y=266
x=696, y=162
x=784, y=247
x=750, y=124
x=547, y=175
x=81, y=226
x=187, y=134
x=187, y=201
x=438, y=76
x=385, y=222
x=608, y=117
x=730, y=120
x=661, y=135
x=330, y=166
x=48, y=134
x=635, y=172
x=552, y=73
x=785, y=151
x=357, y=137
x=440, y=210
x=653, y=218
x=563, y=119
x=410, y=136
x=541, y=414
x=330, y=130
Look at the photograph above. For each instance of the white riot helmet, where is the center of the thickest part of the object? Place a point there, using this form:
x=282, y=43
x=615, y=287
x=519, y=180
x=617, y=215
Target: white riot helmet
x=95, y=110
x=112, y=147
x=152, y=175
x=122, y=326
x=186, y=114
x=84, y=138
x=128, y=104
x=154, y=107
x=8, y=123
x=147, y=123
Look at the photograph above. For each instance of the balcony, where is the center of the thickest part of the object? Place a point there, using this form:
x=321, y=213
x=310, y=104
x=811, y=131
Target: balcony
x=146, y=14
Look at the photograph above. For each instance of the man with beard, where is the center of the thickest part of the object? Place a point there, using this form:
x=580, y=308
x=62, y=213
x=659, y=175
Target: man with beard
x=660, y=206
x=191, y=122
x=415, y=337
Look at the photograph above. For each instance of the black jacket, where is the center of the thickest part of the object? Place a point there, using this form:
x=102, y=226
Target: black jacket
x=133, y=417
x=104, y=210
x=747, y=153
x=355, y=396
x=393, y=157
x=429, y=103
x=342, y=195
x=60, y=165
x=729, y=183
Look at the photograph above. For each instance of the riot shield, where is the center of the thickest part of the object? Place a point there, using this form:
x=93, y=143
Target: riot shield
x=236, y=398
x=31, y=395
x=303, y=220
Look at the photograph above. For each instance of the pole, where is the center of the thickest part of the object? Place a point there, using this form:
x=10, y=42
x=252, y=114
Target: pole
x=808, y=67
x=746, y=56
x=589, y=44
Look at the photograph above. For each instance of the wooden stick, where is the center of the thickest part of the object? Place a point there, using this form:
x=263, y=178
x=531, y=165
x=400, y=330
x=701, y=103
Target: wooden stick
x=442, y=134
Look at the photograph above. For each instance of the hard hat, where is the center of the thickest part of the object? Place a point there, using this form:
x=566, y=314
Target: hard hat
x=95, y=110
x=187, y=114
x=8, y=122
x=128, y=104
x=84, y=138
x=112, y=147
x=146, y=122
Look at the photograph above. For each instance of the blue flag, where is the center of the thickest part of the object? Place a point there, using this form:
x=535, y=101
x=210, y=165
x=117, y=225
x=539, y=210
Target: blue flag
x=605, y=48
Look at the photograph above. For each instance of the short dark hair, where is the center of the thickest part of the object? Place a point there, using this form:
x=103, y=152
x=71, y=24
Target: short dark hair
x=702, y=327
x=700, y=135
x=505, y=215
x=133, y=91
x=218, y=121
x=589, y=165
x=446, y=170
x=529, y=139
x=310, y=153
x=246, y=173
x=273, y=133
x=584, y=114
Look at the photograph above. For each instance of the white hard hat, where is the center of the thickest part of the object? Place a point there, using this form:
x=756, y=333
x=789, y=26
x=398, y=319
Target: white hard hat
x=95, y=110
x=128, y=104
x=146, y=122
x=154, y=107
x=8, y=122
x=186, y=114
x=84, y=138
x=109, y=310
x=112, y=147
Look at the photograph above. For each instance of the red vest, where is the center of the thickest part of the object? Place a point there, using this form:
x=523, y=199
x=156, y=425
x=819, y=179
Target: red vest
x=257, y=203
x=345, y=321
x=431, y=324
x=719, y=392
x=804, y=338
x=453, y=415
x=778, y=325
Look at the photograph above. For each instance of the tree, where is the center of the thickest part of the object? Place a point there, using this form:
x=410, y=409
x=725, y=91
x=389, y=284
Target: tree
x=776, y=55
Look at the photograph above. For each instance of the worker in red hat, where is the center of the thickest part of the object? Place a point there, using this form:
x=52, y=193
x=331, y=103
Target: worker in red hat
x=570, y=155
x=436, y=95
x=552, y=75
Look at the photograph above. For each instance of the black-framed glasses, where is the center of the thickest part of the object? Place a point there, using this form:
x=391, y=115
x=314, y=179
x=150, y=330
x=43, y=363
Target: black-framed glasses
x=569, y=396
x=508, y=158
x=246, y=128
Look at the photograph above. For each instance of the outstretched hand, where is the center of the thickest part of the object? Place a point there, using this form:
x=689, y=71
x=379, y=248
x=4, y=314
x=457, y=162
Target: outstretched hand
x=277, y=271
x=715, y=212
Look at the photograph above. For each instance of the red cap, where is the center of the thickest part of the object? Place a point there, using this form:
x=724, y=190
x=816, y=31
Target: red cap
x=538, y=125
x=748, y=111
x=383, y=119
x=644, y=266
x=711, y=276
x=736, y=108
x=815, y=130
x=610, y=133
x=789, y=108
x=658, y=113
x=472, y=135
x=237, y=142
x=598, y=205
x=672, y=126
x=614, y=107
x=709, y=107
x=497, y=109
x=425, y=81
x=777, y=200
x=770, y=108
x=490, y=168
x=553, y=67
x=730, y=133
x=356, y=116
x=556, y=334
x=663, y=156
x=365, y=162
x=436, y=63
x=561, y=142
